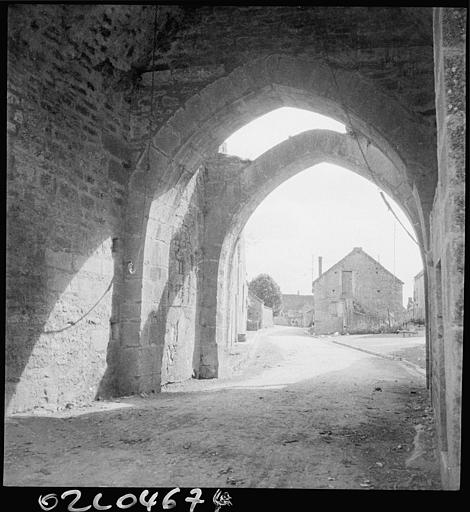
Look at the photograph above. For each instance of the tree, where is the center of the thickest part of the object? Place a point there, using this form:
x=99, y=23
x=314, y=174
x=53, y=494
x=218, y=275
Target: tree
x=264, y=287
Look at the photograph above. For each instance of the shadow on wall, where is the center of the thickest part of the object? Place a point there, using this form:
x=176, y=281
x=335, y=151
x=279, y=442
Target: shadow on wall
x=107, y=384
x=70, y=353
x=167, y=334
x=64, y=294
x=58, y=319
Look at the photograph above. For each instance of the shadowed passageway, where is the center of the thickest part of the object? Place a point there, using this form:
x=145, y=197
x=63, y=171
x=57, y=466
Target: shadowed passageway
x=305, y=413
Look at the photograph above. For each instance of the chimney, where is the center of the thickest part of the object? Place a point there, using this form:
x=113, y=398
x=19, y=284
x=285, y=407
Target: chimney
x=320, y=266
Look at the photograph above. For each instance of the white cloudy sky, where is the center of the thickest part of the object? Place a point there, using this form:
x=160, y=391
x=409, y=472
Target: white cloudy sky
x=325, y=211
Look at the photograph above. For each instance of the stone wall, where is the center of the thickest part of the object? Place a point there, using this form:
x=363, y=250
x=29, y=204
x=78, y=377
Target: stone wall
x=221, y=270
x=67, y=165
x=172, y=310
x=445, y=265
x=238, y=294
x=360, y=322
x=255, y=312
x=296, y=310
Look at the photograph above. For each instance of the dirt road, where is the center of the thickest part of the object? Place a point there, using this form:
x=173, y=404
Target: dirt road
x=305, y=413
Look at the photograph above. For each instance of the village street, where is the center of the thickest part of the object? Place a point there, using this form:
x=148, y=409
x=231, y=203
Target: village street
x=305, y=412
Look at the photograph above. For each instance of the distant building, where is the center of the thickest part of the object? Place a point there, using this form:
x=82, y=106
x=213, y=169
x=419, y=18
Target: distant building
x=357, y=294
x=296, y=310
x=259, y=315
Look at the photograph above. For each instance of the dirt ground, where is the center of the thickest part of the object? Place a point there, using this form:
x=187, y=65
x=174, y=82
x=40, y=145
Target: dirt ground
x=304, y=413
x=414, y=355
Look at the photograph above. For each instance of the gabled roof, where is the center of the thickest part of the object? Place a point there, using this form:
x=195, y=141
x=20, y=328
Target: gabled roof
x=357, y=249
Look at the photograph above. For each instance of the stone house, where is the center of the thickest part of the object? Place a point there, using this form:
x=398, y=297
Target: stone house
x=296, y=310
x=355, y=295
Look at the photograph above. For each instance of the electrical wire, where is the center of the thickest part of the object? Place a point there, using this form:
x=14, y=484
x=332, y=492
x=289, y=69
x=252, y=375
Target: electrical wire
x=396, y=217
x=71, y=324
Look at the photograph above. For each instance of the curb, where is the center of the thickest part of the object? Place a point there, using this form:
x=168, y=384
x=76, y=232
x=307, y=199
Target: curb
x=411, y=365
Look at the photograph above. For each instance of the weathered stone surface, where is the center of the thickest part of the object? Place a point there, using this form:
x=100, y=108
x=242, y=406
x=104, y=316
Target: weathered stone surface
x=373, y=301
x=447, y=237
x=117, y=172
x=81, y=112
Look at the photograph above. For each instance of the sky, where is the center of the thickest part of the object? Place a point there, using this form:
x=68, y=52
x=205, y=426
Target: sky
x=325, y=210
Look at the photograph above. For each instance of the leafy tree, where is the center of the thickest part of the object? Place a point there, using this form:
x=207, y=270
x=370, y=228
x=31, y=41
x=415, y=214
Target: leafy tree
x=264, y=287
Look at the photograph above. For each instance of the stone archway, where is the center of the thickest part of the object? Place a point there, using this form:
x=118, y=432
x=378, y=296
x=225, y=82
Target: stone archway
x=195, y=132
x=241, y=192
